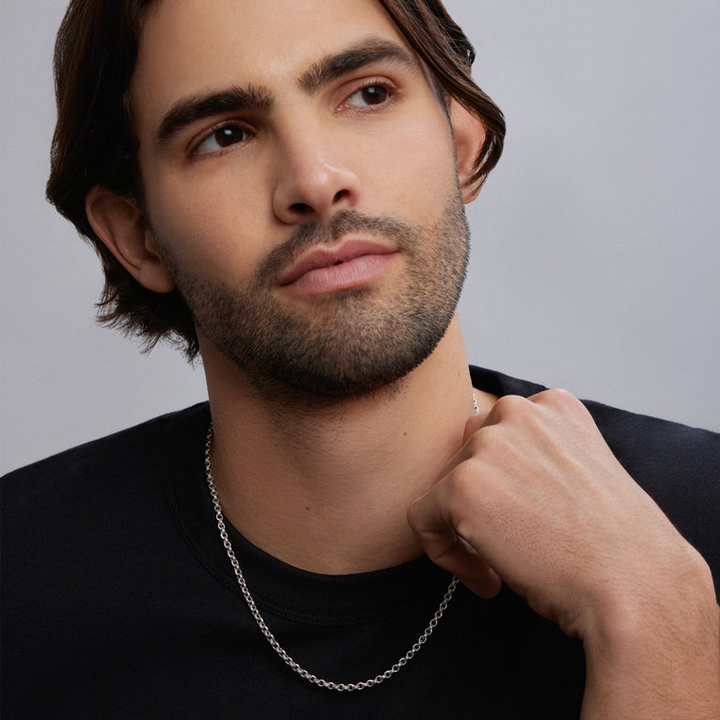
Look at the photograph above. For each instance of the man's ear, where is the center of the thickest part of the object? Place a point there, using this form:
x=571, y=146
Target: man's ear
x=119, y=223
x=469, y=136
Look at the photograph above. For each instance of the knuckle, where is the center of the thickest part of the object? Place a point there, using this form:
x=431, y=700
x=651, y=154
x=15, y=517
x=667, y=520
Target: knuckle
x=561, y=400
x=562, y=396
x=510, y=405
x=465, y=528
x=463, y=482
x=487, y=441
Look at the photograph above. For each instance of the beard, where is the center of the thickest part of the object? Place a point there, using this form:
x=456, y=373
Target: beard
x=352, y=342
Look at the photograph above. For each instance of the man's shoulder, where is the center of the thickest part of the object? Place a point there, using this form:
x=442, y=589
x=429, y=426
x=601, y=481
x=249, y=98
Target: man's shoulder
x=659, y=445
x=648, y=447
x=105, y=460
x=624, y=430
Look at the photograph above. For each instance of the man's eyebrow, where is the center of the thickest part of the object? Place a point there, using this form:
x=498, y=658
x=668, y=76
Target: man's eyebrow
x=364, y=53
x=189, y=110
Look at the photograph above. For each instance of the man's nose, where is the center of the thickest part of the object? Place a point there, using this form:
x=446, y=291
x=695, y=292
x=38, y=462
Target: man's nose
x=313, y=178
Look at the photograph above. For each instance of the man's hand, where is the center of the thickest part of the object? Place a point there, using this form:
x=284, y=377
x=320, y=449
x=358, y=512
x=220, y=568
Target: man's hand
x=536, y=498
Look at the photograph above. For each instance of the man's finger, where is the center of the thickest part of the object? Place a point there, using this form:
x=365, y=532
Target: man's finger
x=473, y=424
x=447, y=549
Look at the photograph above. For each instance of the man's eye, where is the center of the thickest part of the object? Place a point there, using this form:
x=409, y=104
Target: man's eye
x=370, y=95
x=222, y=138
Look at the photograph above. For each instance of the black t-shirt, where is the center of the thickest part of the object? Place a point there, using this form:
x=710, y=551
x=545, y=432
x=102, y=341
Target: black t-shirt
x=119, y=600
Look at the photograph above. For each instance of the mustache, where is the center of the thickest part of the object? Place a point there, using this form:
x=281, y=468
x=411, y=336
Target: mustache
x=314, y=233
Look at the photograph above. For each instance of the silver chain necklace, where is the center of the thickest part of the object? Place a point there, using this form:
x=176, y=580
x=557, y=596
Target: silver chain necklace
x=286, y=658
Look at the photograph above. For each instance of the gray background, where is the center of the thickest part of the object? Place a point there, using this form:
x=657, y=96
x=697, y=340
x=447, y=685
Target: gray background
x=596, y=255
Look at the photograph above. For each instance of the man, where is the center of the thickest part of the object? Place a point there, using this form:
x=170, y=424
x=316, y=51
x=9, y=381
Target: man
x=280, y=186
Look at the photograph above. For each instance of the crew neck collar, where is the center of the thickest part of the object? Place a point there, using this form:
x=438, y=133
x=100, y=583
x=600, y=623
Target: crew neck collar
x=277, y=587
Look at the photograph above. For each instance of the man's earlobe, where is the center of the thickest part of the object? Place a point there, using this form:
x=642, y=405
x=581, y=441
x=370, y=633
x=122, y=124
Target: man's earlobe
x=469, y=136
x=119, y=223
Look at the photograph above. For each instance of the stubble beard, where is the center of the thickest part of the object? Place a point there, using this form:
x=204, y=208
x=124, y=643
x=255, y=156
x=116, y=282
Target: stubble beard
x=355, y=342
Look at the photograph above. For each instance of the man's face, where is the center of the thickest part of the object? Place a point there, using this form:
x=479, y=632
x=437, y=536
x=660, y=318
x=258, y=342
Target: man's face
x=300, y=182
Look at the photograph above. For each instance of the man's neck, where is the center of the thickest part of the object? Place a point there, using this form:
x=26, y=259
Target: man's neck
x=327, y=490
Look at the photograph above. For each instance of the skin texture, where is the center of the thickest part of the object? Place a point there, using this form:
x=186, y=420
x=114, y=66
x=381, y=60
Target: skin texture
x=354, y=346
x=567, y=528
x=527, y=491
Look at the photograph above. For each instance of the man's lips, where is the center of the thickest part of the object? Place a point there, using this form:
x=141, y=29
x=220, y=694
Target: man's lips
x=325, y=257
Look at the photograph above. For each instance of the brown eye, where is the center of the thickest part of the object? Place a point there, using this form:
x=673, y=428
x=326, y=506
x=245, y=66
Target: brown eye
x=370, y=95
x=375, y=94
x=221, y=138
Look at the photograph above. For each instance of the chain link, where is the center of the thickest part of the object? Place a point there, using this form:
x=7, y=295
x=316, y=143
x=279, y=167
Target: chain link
x=289, y=661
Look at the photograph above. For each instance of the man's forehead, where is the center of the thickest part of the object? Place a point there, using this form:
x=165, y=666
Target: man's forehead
x=187, y=43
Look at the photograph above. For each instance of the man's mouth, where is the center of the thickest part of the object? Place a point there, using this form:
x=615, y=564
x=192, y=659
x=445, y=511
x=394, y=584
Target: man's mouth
x=328, y=269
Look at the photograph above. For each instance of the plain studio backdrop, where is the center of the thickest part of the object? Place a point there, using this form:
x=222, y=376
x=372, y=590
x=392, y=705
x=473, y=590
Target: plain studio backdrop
x=595, y=258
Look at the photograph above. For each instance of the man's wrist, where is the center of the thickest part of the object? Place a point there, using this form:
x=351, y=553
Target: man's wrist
x=656, y=652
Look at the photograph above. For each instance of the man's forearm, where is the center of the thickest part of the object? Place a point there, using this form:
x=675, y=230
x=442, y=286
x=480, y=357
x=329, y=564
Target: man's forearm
x=660, y=661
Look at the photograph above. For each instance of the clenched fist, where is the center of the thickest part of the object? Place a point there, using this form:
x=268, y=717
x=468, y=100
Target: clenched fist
x=536, y=499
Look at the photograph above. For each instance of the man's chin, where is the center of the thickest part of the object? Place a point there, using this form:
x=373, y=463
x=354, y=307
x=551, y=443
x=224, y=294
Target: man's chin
x=341, y=369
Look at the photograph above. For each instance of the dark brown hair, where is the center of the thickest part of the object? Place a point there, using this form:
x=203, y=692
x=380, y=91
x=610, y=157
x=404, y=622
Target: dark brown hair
x=94, y=142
